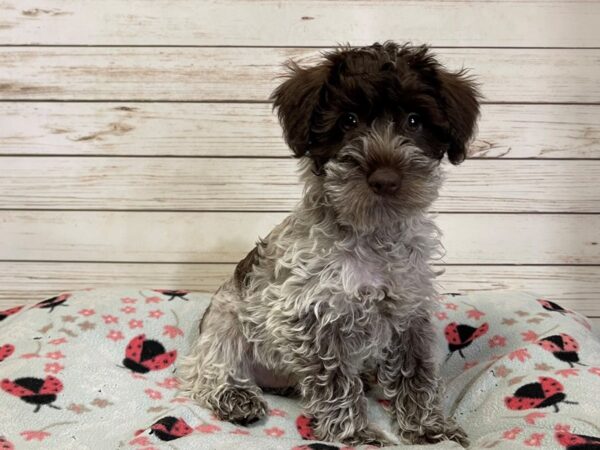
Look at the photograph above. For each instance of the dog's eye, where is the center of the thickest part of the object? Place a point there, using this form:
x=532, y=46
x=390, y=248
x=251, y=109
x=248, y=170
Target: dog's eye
x=414, y=122
x=348, y=121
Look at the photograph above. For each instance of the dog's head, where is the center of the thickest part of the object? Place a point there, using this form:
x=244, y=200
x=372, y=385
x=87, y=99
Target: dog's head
x=375, y=122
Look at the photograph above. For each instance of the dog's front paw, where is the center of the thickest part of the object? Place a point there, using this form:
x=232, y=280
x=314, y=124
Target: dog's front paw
x=370, y=435
x=447, y=431
x=238, y=405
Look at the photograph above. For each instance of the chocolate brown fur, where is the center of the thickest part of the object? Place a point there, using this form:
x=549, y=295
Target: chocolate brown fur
x=343, y=286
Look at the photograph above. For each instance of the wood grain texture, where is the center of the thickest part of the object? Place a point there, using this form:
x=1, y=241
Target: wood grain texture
x=320, y=23
x=28, y=282
x=248, y=130
x=247, y=184
x=227, y=237
x=250, y=74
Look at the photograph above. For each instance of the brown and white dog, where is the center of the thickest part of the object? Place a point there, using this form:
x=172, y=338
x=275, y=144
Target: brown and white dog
x=342, y=288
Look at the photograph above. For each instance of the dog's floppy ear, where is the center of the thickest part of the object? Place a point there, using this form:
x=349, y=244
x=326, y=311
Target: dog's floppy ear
x=295, y=100
x=460, y=99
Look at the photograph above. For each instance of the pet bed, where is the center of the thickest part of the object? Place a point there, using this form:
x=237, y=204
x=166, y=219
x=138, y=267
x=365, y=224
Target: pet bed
x=97, y=369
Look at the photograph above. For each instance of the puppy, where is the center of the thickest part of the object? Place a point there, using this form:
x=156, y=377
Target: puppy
x=342, y=287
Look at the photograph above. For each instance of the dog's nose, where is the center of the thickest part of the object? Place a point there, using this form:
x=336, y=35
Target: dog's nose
x=384, y=181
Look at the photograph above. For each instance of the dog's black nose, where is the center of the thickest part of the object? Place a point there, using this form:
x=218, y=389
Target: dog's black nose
x=384, y=181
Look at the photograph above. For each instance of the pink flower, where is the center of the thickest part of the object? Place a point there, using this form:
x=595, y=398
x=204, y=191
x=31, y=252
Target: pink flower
x=169, y=383
x=475, y=314
x=497, y=341
x=110, y=319
x=53, y=368
x=115, y=335
x=441, y=315
x=154, y=395
x=153, y=299
x=172, y=331
x=529, y=336
x=535, y=440
x=128, y=309
x=568, y=373
x=277, y=412
x=469, y=364
x=207, y=428
x=156, y=314
x=240, y=431
x=87, y=312
x=532, y=417
x=140, y=440
x=274, y=432
x=32, y=435
x=58, y=341
x=30, y=355
x=521, y=354
x=133, y=323
x=512, y=433
x=562, y=427
x=55, y=355
x=451, y=306
x=594, y=370
x=128, y=300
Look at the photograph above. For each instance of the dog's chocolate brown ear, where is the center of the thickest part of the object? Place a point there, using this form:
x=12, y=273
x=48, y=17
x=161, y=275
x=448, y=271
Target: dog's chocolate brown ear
x=295, y=100
x=460, y=99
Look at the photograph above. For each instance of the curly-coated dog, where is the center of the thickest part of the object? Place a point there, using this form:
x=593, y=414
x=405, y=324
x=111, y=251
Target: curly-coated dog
x=342, y=288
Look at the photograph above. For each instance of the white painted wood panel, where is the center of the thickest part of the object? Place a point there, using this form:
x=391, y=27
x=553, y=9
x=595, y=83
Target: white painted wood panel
x=226, y=237
x=238, y=129
x=272, y=184
x=308, y=22
x=250, y=74
x=27, y=282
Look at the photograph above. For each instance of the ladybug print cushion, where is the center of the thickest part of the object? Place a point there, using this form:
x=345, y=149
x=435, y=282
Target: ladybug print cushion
x=98, y=369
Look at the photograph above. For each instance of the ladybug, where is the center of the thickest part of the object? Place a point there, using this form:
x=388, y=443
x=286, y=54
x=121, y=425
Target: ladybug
x=563, y=347
x=173, y=294
x=169, y=428
x=53, y=302
x=577, y=441
x=5, y=444
x=5, y=351
x=36, y=391
x=461, y=336
x=143, y=355
x=9, y=312
x=305, y=425
x=546, y=392
x=551, y=306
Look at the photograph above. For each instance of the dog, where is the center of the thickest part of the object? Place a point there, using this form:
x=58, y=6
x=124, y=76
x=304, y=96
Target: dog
x=343, y=289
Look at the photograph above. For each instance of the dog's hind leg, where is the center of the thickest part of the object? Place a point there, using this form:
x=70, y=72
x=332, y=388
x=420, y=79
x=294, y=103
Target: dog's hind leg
x=217, y=373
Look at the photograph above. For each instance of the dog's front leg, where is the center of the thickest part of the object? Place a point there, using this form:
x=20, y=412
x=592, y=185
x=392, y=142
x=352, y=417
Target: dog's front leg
x=410, y=380
x=333, y=395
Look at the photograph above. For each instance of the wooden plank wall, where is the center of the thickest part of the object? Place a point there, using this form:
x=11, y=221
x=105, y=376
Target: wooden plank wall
x=138, y=146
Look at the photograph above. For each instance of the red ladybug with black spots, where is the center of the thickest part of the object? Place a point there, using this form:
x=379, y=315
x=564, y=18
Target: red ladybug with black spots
x=170, y=428
x=5, y=444
x=36, y=391
x=305, y=426
x=173, y=294
x=551, y=306
x=9, y=312
x=53, y=302
x=563, y=347
x=461, y=336
x=577, y=441
x=546, y=392
x=143, y=355
x=6, y=350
